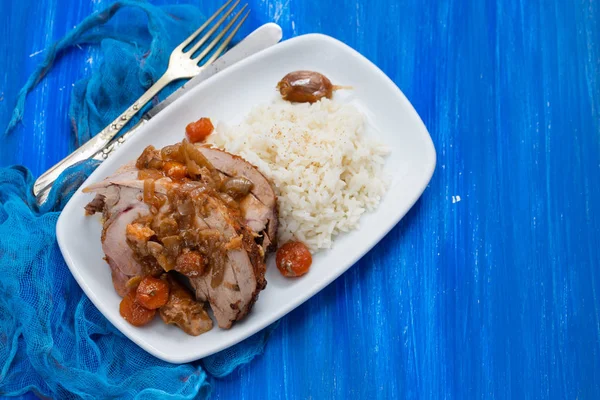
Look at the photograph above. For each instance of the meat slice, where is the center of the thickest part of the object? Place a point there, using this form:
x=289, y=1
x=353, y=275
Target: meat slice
x=120, y=207
x=258, y=209
x=119, y=255
x=95, y=206
x=182, y=310
x=258, y=217
x=231, y=292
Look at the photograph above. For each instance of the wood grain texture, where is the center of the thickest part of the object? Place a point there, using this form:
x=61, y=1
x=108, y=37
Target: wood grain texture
x=490, y=286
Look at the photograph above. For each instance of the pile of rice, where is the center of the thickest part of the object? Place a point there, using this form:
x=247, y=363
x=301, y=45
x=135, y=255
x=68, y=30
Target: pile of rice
x=326, y=172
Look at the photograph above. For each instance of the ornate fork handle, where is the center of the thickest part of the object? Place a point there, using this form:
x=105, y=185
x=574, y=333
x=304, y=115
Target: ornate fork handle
x=98, y=142
x=116, y=143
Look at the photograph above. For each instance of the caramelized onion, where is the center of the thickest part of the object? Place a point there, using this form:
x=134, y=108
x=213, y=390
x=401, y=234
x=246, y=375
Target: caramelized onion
x=133, y=282
x=167, y=226
x=218, y=271
x=193, y=169
x=145, y=157
x=149, y=191
x=237, y=186
x=191, y=185
x=195, y=194
x=172, y=153
x=156, y=163
x=150, y=196
x=157, y=251
x=209, y=233
x=228, y=200
x=197, y=157
x=190, y=238
x=172, y=244
x=185, y=208
x=146, y=173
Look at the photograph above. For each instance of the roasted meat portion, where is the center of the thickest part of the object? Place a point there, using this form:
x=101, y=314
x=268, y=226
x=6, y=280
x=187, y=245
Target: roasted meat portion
x=259, y=209
x=198, y=211
x=185, y=312
x=120, y=207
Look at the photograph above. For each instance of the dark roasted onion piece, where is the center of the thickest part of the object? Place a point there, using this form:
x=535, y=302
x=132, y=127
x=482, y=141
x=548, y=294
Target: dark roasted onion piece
x=144, y=174
x=193, y=169
x=237, y=186
x=305, y=87
x=185, y=208
x=157, y=251
x=149, y=191
x=172, y=244
x=172, y=153
x=228, y=200
x=194, y=157
x=144, y=158
x=156, y=163
x=167, y=226
x=205, y=234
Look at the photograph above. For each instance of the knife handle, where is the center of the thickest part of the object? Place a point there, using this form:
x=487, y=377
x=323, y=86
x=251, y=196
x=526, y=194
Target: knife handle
x=102, y=139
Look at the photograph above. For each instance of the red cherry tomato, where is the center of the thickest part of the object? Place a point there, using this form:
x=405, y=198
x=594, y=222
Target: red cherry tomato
x=152, y=293
x=199, y=130
x=293, y=259
x=133, y=312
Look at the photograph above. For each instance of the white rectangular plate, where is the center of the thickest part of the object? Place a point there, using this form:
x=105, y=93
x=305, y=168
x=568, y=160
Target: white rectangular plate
x=228, y=97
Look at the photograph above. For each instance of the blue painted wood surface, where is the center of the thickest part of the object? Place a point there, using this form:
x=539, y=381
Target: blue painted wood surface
x=490, y=286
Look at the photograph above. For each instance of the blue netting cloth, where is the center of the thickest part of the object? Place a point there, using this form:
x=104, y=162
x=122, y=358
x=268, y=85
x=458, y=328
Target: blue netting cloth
x=53, y=341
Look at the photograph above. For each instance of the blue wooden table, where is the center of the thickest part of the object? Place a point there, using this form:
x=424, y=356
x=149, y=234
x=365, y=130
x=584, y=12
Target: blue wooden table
x=490, y=286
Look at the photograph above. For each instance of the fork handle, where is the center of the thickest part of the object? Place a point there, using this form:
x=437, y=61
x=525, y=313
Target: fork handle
x=116, y=143
x=98, y=142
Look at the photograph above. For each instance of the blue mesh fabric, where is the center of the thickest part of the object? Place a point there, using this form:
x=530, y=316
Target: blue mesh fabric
x=53, y=341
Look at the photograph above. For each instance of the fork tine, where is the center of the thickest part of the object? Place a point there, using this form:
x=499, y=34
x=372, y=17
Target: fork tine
x=202, y=27
x=213, y=29
x=223, y=45
x=220, y=35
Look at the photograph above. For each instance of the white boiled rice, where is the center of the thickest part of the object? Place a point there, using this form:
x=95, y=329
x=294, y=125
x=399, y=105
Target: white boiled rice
x=326, y=172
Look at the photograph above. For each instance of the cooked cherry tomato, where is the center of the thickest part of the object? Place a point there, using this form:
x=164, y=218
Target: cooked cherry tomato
x=133, y=312
x=199, y=130
x=175, y=170
x=152, y=293
x=293, y=259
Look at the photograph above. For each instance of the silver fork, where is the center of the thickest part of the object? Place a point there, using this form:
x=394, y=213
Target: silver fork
x=182, y=64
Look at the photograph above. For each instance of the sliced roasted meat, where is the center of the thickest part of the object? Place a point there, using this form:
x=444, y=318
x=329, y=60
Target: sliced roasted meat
x=174, y=210
x=120, y=207
x=260, y=209
x=185, y=312
x=119, y=254
x=258, y=218
x=95, y=206
x=232, y=285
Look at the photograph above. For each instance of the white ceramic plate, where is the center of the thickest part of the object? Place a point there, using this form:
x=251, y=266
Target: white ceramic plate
x=229, y=96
